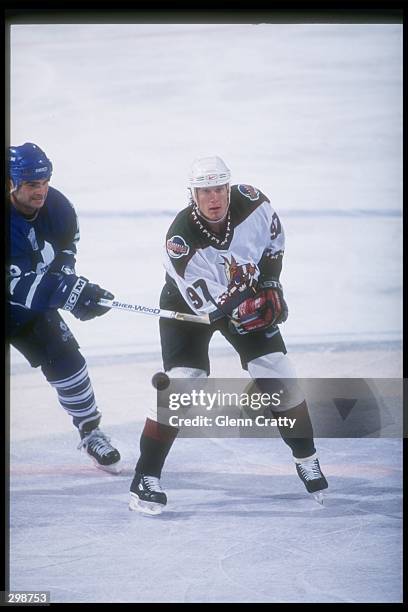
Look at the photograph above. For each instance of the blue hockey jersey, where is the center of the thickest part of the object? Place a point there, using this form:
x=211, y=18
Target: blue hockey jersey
x=44, y=244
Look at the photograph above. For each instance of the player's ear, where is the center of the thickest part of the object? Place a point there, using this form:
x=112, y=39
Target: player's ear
x=11, y=186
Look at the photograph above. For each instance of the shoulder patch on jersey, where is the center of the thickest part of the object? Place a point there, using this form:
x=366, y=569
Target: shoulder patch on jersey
x=249, y=192
x=177, y=247
x=276, y=226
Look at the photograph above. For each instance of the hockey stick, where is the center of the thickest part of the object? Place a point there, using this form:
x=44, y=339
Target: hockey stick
x=156, y=312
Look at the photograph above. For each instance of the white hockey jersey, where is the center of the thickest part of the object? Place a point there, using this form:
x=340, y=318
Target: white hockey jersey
x=216, y=273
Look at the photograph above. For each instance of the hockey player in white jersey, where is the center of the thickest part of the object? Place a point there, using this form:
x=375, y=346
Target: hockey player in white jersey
x=223, y=257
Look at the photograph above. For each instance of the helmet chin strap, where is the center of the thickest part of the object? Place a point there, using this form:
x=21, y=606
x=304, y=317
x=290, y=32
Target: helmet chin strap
x=13, y=187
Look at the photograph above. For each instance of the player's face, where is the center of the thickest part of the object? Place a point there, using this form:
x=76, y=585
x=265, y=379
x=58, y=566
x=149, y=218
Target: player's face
x=212, y=201
x=30, y=196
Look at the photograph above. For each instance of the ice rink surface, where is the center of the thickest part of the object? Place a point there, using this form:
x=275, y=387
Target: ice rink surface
x=310, y=114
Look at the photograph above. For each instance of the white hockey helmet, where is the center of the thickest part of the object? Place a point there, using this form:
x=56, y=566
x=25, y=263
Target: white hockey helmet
x=208, y=172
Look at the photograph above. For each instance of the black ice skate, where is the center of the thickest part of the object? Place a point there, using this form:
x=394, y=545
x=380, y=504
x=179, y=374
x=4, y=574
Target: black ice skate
x=312, y=477
x=98, y=447
x=146, y=495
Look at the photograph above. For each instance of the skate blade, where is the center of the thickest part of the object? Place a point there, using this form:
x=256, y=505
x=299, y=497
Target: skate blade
x=114, y=468
x=319, y=497
x=144, y=507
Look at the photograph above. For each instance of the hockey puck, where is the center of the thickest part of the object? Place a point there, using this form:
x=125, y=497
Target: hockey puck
x=160, y=381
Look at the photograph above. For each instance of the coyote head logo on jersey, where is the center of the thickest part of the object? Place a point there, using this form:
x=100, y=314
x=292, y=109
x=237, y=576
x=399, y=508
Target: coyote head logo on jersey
x=239, y=276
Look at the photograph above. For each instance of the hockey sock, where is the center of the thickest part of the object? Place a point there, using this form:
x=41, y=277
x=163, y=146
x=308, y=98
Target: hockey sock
x=70, y=379
x=302, y=446
x=155, y=443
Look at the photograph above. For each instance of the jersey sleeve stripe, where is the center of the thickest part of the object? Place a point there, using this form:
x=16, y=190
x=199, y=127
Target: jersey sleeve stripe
x=31, y=293
x=13, y=284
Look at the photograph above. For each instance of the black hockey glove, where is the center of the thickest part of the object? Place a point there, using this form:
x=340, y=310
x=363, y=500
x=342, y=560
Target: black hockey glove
x=77, y=294
x=267, y=308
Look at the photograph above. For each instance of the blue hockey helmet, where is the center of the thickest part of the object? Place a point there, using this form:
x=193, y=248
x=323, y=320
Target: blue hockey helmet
x=28, y=163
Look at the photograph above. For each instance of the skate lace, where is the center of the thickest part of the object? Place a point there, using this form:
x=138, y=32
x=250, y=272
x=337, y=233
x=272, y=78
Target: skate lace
x=311, y=470
x=97, y=441
x=152, y=484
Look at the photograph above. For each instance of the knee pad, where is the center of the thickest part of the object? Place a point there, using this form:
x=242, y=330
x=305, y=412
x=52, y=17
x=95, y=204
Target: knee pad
x=276, y=366
x=63, y=366
x=186, y=373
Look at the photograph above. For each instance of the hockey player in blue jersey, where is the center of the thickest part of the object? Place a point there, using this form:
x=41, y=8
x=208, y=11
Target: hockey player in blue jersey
x=41, y=280
x=223, y=257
